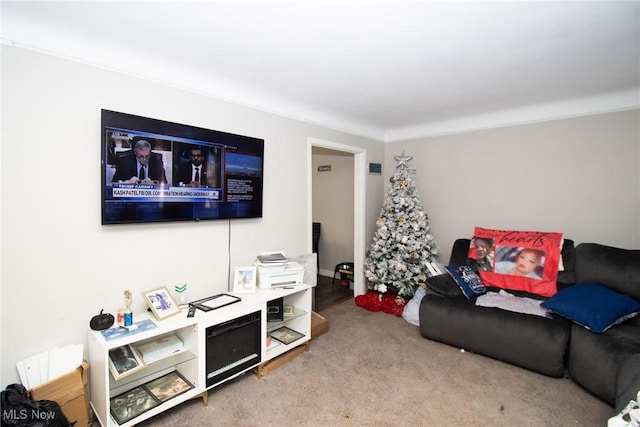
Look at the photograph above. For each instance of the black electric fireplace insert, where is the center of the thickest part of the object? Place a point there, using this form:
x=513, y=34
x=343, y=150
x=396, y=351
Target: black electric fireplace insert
x=232, y=347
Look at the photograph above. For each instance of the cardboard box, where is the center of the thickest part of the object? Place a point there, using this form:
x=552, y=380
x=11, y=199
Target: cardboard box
x=319, y=325
x=70, y=392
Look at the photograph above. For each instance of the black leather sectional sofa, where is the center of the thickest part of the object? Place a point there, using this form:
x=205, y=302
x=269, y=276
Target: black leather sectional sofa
x=606, y=364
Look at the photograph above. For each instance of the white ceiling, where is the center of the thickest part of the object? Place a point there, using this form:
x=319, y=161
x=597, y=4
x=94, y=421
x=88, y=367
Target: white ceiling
x=389, y=70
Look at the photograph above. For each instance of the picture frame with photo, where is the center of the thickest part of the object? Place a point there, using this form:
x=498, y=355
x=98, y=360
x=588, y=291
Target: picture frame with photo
x=124, y=361
x=168, y=386
x=286, y=335
x=131, y=404
x=161, y=302
x=244, y=280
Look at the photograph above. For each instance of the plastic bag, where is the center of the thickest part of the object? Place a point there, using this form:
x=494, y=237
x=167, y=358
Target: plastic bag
x=18, y=410
x=411, y=310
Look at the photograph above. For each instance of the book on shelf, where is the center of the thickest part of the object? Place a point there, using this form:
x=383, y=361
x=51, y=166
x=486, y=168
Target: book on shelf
x=160, y=347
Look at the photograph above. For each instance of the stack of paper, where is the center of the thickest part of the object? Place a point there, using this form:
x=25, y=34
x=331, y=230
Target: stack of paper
x=49, y=365
x=267, y=258
x=159, y=348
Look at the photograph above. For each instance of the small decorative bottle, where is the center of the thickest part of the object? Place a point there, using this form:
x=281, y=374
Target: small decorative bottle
x=128, y=315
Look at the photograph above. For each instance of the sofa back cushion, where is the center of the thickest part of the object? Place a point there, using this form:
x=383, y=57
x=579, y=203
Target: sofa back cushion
x=616, y=268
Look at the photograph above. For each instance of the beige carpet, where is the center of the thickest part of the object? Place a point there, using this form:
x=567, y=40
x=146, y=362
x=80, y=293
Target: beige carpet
x=375, y=369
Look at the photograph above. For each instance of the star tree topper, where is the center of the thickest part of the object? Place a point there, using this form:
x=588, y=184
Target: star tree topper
x=403, y=161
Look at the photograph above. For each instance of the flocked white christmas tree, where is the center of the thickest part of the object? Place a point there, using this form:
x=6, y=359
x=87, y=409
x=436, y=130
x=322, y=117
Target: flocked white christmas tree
x=402, y=244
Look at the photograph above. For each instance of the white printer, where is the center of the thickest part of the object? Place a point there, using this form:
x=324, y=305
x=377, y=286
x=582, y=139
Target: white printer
x=271, y=275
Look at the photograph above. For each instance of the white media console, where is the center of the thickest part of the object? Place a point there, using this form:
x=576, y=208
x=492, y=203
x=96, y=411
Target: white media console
x=127, y=400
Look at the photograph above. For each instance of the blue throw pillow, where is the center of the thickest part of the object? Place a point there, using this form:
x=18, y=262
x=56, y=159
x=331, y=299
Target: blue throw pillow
x=593, y=306
x=467, y=279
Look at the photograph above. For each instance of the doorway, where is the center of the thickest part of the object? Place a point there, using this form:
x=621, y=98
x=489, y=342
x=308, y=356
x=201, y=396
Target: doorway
x=337, y=198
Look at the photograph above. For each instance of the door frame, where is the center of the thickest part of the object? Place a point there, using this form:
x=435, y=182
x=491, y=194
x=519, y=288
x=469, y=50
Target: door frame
x=359, y=203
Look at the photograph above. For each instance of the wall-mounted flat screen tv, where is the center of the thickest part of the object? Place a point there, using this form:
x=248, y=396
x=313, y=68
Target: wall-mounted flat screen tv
x=154, y=170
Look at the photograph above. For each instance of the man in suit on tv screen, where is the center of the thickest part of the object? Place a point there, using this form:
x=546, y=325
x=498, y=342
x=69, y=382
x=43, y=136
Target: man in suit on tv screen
x=193, y=173
x=139, y=165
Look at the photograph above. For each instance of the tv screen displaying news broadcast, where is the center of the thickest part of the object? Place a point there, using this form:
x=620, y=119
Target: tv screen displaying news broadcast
x=154, y=171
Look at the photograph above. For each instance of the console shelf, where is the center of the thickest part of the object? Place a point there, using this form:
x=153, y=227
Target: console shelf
x=189, y=361
x=299, y=321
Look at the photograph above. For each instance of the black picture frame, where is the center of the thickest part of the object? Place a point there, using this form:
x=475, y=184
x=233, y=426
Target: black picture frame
x=215, y=301
x=168, y=386
x=286, y=335
x=131, y=404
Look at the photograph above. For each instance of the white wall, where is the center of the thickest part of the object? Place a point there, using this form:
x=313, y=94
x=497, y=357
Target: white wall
x=579, y=176
x=59, y=265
